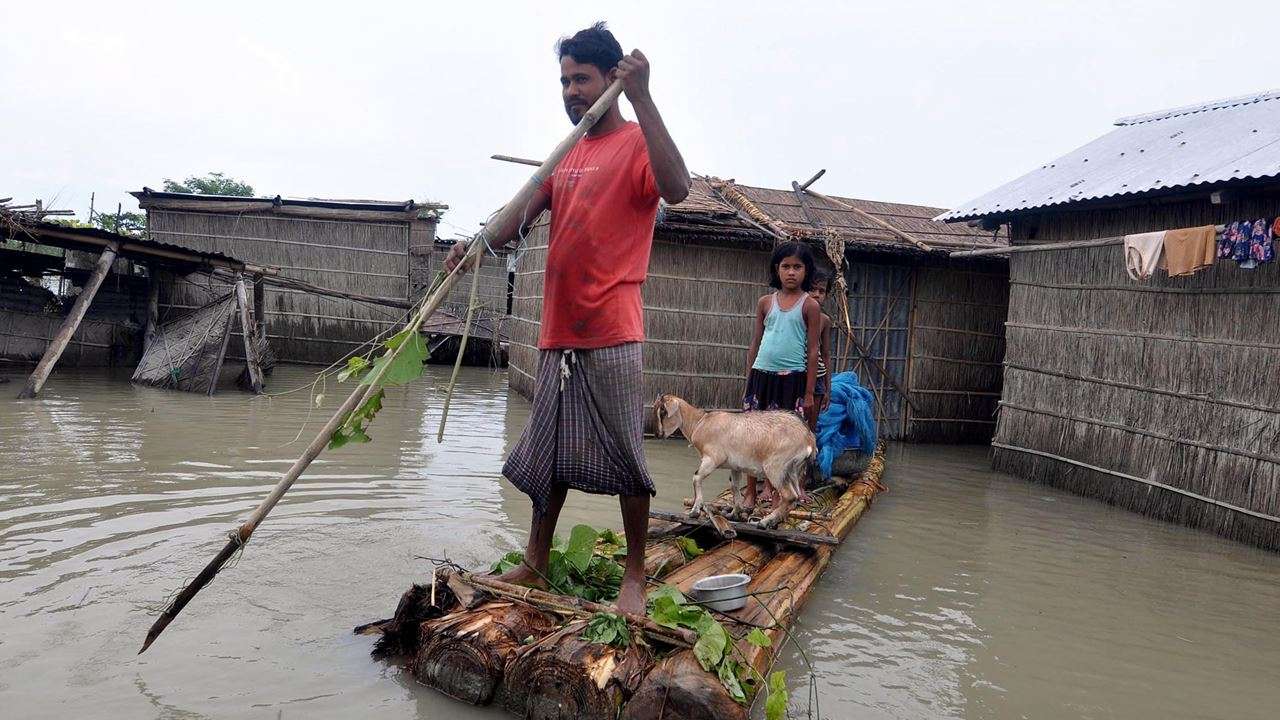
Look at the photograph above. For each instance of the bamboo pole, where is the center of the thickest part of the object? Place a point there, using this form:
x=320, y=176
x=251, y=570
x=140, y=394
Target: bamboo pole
x=1100, y=242
x=872, y=219
x=69, y=325
x=516, y=160
x=805, y=185
x=247, y=334
x=462, y=348
x=723, y=507
x=510, y=212
x=578, y=607
x=787, y=537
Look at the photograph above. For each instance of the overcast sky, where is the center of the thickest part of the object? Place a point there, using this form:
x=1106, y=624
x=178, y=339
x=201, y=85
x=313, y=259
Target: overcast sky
x=922, y=102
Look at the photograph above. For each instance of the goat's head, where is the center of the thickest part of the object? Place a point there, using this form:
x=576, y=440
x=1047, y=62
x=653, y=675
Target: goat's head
x=667, y=410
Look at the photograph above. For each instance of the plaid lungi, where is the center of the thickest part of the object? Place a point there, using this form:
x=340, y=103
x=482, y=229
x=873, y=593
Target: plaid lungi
x=586, y=429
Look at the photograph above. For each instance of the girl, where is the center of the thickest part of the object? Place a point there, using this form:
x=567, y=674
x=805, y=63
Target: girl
x=782, y=362
x=821, y=396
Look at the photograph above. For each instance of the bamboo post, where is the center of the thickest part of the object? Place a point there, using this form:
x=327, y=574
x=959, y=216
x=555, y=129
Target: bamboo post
x=153, y=305
x=69, y=325
x=247, y=333
x=216, y=372
x=462, y=348
x=872, y=219
x=260, y=305
x=510, y=212
x=805, y=185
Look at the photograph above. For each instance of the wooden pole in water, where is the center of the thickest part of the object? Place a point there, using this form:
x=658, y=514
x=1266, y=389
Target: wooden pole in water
x=69, y=325
x=247, y=333
x=510, y=212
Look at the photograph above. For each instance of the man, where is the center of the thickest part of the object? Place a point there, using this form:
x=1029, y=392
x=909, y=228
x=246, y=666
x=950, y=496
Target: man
x=585, y=431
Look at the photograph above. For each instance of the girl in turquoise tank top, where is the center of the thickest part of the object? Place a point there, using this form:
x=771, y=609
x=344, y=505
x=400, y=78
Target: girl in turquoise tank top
x=783, y=359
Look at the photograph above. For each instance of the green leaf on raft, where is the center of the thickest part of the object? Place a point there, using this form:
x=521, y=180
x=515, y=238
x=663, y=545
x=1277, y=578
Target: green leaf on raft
x=607, y=629
x=582, y=545
x=728, y=673
x=668, y=607
x=592, y=576
x=712, y=641
x=689, y=547
x=758, y=638
x=775, y=704
x=515, y=558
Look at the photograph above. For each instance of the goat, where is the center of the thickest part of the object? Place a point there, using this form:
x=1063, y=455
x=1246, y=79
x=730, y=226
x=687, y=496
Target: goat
x=775, y=445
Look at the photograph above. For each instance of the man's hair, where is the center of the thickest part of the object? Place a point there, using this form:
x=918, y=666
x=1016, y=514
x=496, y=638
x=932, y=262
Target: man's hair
x=592, y=46
x=792, y=249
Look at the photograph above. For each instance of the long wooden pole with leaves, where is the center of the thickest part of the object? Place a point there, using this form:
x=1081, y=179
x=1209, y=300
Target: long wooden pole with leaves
x=401, y=363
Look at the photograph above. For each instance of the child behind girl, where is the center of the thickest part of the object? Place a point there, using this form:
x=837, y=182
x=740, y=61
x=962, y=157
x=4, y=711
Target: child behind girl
x=822, y=384
x=783, y=359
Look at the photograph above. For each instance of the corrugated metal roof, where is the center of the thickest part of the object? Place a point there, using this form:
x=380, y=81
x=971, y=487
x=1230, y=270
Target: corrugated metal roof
x=1232, y=139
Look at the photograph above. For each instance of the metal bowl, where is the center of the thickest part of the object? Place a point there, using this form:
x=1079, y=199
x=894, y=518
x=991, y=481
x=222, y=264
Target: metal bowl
x=721, y=592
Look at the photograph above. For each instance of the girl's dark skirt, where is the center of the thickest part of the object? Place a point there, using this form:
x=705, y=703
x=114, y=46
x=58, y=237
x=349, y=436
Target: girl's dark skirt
x=775, y=391
x=586, y=429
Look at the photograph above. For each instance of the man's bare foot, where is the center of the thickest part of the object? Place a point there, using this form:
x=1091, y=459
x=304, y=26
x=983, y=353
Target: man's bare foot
x=631, y=596
x=523, y=575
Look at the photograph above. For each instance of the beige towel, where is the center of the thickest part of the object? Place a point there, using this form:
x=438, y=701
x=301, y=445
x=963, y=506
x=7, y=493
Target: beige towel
x=1188, y=250
x=1142, y=254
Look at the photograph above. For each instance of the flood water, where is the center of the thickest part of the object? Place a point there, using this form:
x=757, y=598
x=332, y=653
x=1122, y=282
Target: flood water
x=962, y=593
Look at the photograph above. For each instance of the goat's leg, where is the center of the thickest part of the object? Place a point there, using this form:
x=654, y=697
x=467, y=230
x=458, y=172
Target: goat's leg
x=786, y=501
x=776, y=474
x=705, y=468
x=735, y=477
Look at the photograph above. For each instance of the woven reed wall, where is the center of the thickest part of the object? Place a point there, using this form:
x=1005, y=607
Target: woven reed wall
x=369, y=258
x=1171, y=380
x=957, y=347
x=109, y=335
x=699, y=305
x=880, y=315
x=491, y=292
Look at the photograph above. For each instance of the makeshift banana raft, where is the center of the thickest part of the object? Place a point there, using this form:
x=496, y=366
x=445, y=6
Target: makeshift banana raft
x=485, y=642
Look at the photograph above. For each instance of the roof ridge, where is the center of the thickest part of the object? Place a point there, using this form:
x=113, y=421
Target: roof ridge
x=845, y=198
x=1198, y=107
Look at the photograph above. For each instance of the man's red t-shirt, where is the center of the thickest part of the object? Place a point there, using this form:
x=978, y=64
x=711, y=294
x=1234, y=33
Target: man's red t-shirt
x=603, y=203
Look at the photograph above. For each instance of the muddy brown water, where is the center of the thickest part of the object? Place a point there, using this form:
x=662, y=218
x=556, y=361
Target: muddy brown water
x=962, y=593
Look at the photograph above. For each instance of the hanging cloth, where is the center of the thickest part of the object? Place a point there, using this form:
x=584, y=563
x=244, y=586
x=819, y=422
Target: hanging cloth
x=1142, y=254
x=1260, y=247
x=1189, y=250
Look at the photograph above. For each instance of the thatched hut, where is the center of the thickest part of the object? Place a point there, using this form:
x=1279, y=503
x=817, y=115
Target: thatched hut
x=372, y=257
x=1157, y=395
x=930, y=326
x=107, y=295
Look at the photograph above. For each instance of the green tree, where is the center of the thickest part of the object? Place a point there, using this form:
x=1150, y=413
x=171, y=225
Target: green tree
x=133, y=224
x=215, y=183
